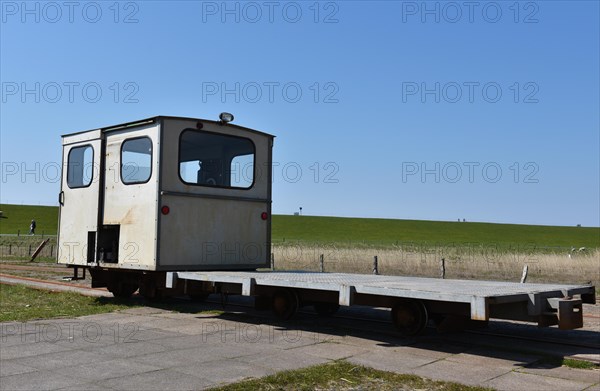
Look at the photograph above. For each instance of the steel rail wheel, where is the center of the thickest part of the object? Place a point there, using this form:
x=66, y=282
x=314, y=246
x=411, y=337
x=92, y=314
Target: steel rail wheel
x=409, y=316
x=285, y=303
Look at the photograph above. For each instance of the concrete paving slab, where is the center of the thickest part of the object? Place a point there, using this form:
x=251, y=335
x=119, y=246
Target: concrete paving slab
x=172, y=358
x=145, y=321
x=30, y=349
x=435, y=350
x=88, y=387
x=459, y=372
x=65, y=359
x=231, y=347
x=494, y=358
x=215, y=349
x=38, y=380
x=133, y=332
x=224, y=371
x=161, y=380
x=390, y=359
x=330, y=350
x=159, y=322
x=16, y=339
x=363, y=341
x=283, y=360
x=522, y=381
x=95, y=371
x=189, y=327
x=585, y=375
x=189, y=341
x=12, y=367
x=595, y=387
x=125, y=350
x=292, y=337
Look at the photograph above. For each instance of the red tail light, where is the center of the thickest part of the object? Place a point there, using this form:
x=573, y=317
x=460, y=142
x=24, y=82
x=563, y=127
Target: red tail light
x=264, y=215
x=165, y=210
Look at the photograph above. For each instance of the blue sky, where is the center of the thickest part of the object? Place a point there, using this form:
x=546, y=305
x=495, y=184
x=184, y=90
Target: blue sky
x=394, y=109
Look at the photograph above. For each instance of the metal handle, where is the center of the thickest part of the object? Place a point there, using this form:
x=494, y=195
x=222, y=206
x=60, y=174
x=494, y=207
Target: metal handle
x=61, y=198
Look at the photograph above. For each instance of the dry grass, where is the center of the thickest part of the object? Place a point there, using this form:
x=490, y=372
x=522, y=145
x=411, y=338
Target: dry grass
x=462, y=263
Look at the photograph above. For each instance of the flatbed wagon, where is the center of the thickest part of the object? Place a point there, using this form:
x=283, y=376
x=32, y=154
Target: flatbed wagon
x=413, y=300
x=172, y=205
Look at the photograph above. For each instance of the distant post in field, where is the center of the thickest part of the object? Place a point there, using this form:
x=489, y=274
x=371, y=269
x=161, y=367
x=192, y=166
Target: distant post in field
x=375, y=265
x=322, y=263
x=272, y=261
x=443, y=268
x=524, y=275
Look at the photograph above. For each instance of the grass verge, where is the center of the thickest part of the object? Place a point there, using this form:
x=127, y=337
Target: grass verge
x=21, y=303
x=580, y=364
x=342, y=375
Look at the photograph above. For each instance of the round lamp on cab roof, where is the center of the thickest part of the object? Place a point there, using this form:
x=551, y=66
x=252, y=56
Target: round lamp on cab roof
x=226, y=117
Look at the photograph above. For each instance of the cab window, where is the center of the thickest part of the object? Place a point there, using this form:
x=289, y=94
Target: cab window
x=211, y=159
x=80, y=166
x=136, y=160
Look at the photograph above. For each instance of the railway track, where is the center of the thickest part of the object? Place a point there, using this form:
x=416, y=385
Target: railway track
x=33, y=268
x=50, y=284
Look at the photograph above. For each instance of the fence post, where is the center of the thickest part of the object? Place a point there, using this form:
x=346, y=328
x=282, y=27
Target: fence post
x=443, y=268
x=10, y=249
x=322, y=262
x=524, y=275
x=30, y=250
x=51, y=250
x=272, y=261
x=18, y=232
x=375, y=266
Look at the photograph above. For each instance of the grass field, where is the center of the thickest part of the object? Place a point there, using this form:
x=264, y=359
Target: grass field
x=389, y=232
x=18, y=217
x=353, y=232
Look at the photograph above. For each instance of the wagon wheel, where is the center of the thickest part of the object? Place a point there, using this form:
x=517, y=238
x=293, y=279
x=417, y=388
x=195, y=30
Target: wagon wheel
x=122, y=290
x=409, y=316
x=285, y=303
x=326, y=309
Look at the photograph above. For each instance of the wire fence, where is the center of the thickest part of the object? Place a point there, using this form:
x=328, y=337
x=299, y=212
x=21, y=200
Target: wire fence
x=19, y=247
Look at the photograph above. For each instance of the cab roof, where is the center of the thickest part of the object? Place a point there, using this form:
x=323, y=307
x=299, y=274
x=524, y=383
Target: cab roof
x=158, y=118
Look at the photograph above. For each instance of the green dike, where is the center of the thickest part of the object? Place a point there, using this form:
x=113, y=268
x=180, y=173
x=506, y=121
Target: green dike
x=390, y=232
x=356, y=231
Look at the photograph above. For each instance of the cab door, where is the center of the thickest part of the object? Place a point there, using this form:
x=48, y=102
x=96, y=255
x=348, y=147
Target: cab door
x=79, y=198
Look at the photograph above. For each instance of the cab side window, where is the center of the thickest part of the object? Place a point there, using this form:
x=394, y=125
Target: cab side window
x=136, y=160
x=80, y=166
